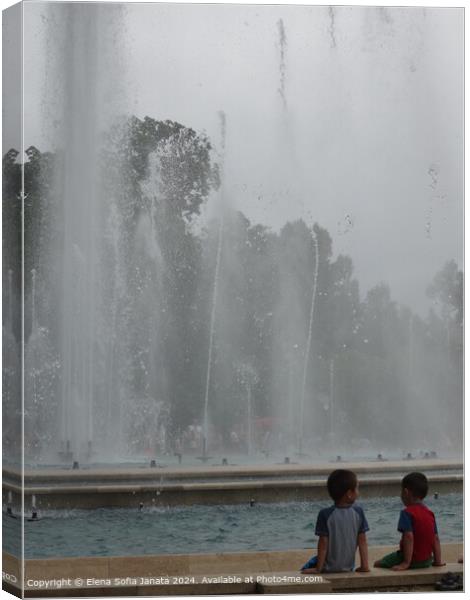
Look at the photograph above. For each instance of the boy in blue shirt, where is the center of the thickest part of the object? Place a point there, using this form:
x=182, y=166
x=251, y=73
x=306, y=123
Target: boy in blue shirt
x=341, y=528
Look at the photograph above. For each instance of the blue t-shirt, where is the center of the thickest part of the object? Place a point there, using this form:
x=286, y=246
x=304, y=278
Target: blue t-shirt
x=341, y=525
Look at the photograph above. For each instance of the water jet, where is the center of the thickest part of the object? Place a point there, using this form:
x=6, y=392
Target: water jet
x=308, y=347
x=205, y=429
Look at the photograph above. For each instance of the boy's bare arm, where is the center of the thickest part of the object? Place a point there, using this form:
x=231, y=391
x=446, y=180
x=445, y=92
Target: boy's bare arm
x=363, y=553
x=321, y=555
x=407, y=549
x=436, y=550
x=322, y=550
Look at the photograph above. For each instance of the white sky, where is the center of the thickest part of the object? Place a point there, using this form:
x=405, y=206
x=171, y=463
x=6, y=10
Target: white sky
x=371, y=144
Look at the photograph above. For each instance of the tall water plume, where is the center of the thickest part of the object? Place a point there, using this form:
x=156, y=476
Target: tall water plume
x=220, y=233
x=332, y=27
x=308, y=345
x=282, y=40
x=84, y=68
x=82, y=223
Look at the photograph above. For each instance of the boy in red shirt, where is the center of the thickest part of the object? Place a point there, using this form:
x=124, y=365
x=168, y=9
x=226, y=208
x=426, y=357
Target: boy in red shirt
x=419, y=544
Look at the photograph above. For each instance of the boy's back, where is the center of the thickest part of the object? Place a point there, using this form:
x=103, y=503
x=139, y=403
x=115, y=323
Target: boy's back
x=418, y=519
x=341, y=528
x=342, y=525
x=419, y=544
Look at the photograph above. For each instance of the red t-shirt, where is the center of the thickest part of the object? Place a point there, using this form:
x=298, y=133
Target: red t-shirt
x=421, y=521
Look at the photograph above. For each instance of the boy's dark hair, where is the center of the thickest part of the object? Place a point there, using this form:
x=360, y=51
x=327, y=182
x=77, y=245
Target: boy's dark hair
x=339, y=482
x=416, y=483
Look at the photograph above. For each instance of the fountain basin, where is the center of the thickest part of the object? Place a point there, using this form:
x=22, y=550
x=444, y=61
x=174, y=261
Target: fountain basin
x=174, y=494
x=214, y=485
x=229, y=471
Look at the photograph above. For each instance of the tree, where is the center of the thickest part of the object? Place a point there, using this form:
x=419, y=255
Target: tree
x=447, y=290
x=165, y=172
x=183, y=172
x=446, y=330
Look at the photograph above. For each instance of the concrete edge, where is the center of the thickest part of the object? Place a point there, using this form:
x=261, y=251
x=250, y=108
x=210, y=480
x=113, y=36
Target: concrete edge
x=211, y=486
x=143, y=472
x=376, y=580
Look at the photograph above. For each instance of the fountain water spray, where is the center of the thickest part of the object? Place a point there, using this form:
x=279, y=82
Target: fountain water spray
x=282, y=61
x=9, y=504
x=33, y=330
x=410, y=350
x=332, y=28
x=308, y=345
x=81, y=209
x=249, y=419
x=205, y=428
x=34, y=510
x=10, y=298
x=332, y=391
x=248, y=378
x=83, y=66
x=33, y=300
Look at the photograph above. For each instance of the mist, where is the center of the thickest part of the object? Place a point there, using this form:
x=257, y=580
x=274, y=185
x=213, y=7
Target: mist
x=296, y=261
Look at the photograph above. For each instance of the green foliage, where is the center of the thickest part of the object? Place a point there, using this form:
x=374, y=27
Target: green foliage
x=183, y=156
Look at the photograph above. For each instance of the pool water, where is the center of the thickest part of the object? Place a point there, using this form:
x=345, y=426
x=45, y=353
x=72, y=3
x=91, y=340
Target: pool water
x=202, y=529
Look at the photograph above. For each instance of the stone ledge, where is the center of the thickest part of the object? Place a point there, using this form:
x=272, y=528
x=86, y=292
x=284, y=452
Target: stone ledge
x=214, y=486
x=243, y=564
x=229, y=471
x=377, y=579
x=235, y=492
x=220, y=563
